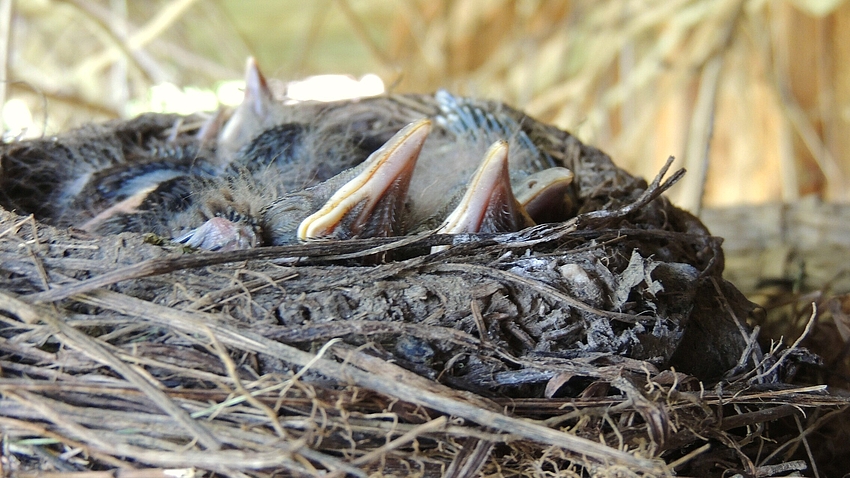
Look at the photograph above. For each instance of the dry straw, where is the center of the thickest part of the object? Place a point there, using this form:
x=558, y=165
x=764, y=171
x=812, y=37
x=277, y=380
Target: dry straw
x=752, y=96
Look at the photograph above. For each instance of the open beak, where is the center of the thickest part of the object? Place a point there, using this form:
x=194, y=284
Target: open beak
x=489, y=205
x=371, y=204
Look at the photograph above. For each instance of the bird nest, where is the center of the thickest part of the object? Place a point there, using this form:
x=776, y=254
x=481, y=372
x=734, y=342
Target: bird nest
x=608, y=344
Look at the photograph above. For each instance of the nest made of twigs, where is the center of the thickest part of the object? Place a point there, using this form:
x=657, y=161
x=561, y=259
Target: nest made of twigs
x=542, y=352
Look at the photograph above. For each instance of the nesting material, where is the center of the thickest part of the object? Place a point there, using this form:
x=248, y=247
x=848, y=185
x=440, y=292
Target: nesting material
x=607, y=344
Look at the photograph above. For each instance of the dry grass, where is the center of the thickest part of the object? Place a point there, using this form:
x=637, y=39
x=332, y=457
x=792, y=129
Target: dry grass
x=109, y=381
x=752, y=96
x=761, y=87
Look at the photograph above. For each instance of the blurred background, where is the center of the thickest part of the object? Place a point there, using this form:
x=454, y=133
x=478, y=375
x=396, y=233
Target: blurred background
x=752, y=96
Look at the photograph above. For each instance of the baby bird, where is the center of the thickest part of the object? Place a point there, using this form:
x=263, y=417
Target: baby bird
x=271, y=173
x=451, y=188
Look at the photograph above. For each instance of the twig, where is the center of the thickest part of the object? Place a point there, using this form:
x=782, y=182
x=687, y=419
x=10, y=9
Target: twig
x=690, y=456
x=547, y=233
x=13, y=229
x=700, y=132
x=655, y=189
x=180, y=261
x=247, y=340
x=471, y=458
x=534, y=284
x=90, y=347
x=117, y=29
x=824, y=419
x=434, y=425
x=164, y=18
x=361, y=31
x=336, y=250
x=808, y=448
x=809, y=326
x=38, y=429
